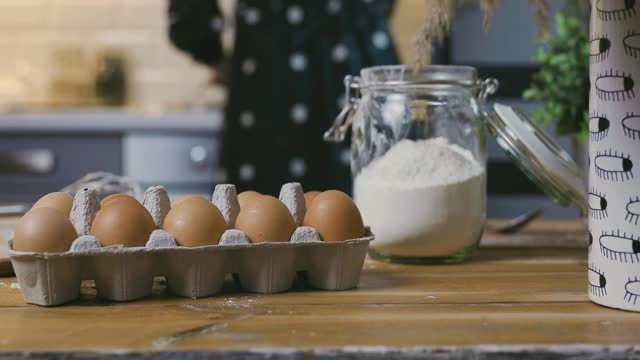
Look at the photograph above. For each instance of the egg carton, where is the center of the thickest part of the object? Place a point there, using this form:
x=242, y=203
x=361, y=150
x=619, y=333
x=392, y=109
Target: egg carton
x=127, y=273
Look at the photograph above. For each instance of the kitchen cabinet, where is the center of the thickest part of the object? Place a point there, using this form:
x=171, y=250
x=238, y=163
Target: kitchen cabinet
x=62, y=158
x=43, y=152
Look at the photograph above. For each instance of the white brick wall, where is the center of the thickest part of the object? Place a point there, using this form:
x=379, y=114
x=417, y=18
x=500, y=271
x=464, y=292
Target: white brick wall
x=31, y=31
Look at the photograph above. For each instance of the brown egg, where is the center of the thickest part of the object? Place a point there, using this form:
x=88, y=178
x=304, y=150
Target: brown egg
x=266, y=219
x=246, y=197
x=310, y=195
x=195, y=221
x=186, y=198
x=123, y=222
x=335, y=216
x=106, y=201
x=60, y=201
x=44, y=230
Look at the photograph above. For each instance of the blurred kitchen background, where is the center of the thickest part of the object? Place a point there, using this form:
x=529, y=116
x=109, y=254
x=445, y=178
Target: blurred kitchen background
x=88, y=85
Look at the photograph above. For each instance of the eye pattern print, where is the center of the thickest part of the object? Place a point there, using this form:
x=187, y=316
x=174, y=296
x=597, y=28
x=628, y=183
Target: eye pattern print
x=633, y=210
x=614, y=166
x=631, y=126
x=598, y=127
x=597, y=205
x=632, y=290
x=631, y=44
x=620, y=247
x=614, y=85
x=597, y=282
x=608, y=10
x=614, y=148
x=599, y=48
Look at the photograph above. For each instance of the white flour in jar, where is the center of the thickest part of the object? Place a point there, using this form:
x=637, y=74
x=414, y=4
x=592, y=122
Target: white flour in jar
x=423, y=198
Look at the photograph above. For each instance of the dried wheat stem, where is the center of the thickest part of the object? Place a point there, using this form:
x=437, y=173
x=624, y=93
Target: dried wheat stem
x=541, y=16
x=436, y=24
x=488, y=7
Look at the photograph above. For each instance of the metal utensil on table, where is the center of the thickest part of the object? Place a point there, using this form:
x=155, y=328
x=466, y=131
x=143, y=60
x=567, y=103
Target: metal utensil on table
x=106, y=183
x=103, y=182
x=517, y=223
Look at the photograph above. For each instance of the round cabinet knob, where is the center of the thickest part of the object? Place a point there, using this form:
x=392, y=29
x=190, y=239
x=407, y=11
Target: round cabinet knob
x=198, y=155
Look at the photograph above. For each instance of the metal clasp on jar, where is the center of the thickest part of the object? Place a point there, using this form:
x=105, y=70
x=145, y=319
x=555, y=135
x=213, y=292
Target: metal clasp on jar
x=338, y=131
x=487, y=87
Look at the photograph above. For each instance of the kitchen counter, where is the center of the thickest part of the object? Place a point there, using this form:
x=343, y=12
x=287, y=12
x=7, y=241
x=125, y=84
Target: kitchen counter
x=44, y=151
x=522, y=295
x=107, y=120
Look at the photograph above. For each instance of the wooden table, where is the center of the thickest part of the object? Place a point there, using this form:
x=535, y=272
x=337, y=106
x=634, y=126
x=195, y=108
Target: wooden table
x=522, y=299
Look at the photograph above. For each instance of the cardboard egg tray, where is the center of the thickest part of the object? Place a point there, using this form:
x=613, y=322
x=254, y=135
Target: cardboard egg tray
x=127, y=273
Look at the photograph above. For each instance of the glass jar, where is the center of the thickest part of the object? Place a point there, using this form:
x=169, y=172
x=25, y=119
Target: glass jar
x=418, y=159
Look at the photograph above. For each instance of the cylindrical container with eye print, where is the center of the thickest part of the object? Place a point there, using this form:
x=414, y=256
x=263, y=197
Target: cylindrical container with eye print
x=614, y=154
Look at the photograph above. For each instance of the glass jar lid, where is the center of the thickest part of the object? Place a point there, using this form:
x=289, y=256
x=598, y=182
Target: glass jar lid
x=398, y=76
x=542, y=160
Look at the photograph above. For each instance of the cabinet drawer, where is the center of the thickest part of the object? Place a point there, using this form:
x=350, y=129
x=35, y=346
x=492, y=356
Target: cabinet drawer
x=170, y=159
x=32, y=165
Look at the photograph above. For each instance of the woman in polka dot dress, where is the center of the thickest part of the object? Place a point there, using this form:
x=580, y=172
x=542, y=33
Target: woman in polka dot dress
x=286, y=82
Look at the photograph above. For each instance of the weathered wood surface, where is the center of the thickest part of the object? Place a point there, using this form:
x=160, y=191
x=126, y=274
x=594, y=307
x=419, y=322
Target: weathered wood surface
x=520, y=299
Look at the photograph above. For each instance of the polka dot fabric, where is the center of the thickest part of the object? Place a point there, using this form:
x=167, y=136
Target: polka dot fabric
x=286, y=83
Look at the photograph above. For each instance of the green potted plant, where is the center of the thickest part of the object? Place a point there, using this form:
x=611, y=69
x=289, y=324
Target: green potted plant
x=562, y=83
